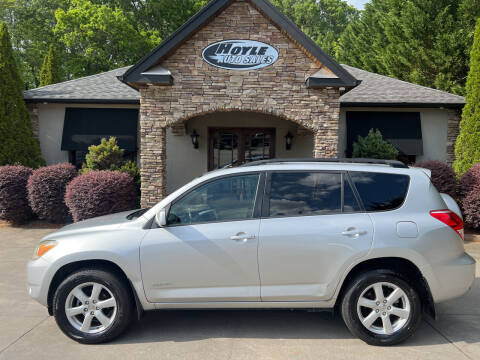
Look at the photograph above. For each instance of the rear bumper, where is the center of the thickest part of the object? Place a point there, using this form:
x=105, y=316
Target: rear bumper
x=453, y=279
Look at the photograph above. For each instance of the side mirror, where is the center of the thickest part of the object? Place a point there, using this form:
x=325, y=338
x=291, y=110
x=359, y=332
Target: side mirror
x=161, y=218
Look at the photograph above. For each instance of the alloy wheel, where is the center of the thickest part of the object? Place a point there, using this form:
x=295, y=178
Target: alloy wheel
x=91, y=307
x=383, y=308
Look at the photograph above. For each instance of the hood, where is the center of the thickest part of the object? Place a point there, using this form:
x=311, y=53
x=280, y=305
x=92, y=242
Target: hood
x=102, y=223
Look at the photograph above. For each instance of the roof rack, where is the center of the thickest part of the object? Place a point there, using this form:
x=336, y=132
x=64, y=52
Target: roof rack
x=391, y=163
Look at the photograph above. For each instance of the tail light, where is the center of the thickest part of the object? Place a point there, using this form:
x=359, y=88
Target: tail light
x=449, y=218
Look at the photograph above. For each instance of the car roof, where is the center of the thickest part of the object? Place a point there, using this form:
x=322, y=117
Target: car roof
x=316, y=166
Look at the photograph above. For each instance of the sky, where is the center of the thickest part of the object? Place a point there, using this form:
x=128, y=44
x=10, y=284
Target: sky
x=359, y=4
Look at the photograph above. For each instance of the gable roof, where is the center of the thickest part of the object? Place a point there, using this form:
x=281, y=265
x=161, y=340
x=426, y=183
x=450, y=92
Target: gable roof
x=103, y=88
x=380, y=90
x=137, y=73
x=374, y=90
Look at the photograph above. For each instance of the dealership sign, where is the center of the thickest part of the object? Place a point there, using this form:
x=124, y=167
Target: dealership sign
x=240, y=55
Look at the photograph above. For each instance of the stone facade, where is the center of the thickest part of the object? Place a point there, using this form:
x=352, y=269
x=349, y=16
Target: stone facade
x=200, y=89
x=454, y=117
x=33, y=110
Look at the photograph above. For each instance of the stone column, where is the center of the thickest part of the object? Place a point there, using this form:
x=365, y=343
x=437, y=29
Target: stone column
x=153, y=157
x=326, y=124
x=454, y=117
x=33, y=110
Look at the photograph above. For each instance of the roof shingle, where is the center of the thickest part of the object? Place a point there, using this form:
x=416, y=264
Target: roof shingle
x=379, y=89
x=99, y=88
x=375, y=90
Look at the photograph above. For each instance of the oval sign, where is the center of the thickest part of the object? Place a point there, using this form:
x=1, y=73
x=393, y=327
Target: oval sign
x=240, y=55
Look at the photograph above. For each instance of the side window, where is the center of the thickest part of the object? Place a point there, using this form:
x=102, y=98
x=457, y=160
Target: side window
x=226, y=199
x=381, y=192
x=305, y=193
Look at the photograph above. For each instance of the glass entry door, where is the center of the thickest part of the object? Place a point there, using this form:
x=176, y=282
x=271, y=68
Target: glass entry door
x=230, y=147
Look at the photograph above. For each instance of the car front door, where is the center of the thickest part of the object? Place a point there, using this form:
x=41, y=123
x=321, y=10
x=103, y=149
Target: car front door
x=208, y=250
x=312, y=227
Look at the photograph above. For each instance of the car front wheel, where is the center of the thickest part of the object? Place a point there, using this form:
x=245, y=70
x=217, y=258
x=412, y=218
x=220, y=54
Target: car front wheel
x=381, y=308
x=92, y=306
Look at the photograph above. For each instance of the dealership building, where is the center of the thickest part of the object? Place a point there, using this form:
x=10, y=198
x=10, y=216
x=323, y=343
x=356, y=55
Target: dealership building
x=238, y=82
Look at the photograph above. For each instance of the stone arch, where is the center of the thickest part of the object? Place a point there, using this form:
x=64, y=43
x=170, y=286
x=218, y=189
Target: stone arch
x=215, y=109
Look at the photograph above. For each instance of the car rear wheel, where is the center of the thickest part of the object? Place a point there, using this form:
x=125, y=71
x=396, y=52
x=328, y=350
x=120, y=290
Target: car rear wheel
x=381, y=308
x=93, y=306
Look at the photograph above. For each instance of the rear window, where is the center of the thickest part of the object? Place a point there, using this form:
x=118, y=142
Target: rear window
x=381, y=192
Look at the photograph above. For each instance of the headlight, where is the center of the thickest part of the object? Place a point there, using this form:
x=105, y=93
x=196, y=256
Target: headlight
x=43, y=248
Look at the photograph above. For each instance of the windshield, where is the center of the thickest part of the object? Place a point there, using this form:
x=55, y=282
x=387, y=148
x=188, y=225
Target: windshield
x=136, y=214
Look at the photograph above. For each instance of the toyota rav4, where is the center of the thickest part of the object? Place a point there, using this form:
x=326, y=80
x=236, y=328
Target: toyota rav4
x=373, y=240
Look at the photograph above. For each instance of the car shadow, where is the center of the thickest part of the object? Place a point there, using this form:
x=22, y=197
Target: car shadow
x=455, y=323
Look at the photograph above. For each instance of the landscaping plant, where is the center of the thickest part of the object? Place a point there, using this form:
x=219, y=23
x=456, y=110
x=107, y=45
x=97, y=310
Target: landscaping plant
x=443, y=176
x=17, y=144
x=13, y=194
x=467, y=149
x=373, y=146
x=50, y=72
x=46, y=191
x=100, y=193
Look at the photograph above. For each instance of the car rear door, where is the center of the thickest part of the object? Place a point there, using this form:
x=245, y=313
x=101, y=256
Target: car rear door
x=312, y=228
x=208, y=250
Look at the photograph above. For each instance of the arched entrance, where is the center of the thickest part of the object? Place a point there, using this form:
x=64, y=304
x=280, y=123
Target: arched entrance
x=228, y=139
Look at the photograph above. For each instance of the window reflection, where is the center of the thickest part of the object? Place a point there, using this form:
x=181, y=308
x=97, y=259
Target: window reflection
x=296, y=194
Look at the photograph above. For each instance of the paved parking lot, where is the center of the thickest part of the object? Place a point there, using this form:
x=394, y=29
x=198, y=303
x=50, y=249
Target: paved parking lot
x=27, y=332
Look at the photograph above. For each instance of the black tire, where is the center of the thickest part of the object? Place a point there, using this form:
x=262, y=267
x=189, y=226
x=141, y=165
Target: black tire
x=351, y=317
x=117, y=287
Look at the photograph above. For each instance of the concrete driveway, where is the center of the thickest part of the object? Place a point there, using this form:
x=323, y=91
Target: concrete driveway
x=27, y=332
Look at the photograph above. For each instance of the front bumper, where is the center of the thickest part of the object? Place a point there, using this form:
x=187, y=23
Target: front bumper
x=454, y=278
x=36, y=272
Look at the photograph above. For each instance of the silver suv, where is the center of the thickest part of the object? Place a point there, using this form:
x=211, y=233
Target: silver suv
x=371, y=239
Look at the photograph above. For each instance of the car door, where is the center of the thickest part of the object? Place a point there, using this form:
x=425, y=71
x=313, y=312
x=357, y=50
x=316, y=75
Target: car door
x=312, y=228
x=208, y=250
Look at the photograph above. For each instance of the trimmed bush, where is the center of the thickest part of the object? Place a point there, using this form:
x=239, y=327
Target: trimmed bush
x=100, y=193
x=13, y=194
x=443, y=176
x=373, y=146
x=46, y=191
x=469, y=192
x=469, y=180
x=471, y=205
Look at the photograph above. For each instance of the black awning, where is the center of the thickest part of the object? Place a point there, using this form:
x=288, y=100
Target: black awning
x=84, y=127
x=402, y=129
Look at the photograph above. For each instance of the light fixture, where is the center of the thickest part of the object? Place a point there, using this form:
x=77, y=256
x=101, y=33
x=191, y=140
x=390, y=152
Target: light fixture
x=288, y=140
x=194, y=135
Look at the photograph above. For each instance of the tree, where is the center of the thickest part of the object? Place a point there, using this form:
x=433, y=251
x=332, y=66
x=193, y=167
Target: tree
x=421, y=41
x=17, y=144
x=31, y=24
x=99, y=38
x=374, y=147
x=323, y=20
x=467, y=149
x=50, y=72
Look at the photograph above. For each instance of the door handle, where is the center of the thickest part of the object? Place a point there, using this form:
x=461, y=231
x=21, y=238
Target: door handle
x=353, y=232
x=242, y=237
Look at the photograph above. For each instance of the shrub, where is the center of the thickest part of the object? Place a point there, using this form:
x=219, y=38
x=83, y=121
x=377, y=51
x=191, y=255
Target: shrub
x=46, y=191
x=100, y=193
x=373, y=146
x=469, y=192
x=105, y=156
x=443, y=176
x=469, y=181
x=471, y=205
x=13, y=194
